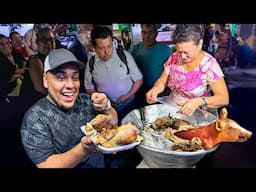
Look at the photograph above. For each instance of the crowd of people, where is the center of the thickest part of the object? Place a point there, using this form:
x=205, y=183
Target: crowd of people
x=60, y=89
x=231, y=50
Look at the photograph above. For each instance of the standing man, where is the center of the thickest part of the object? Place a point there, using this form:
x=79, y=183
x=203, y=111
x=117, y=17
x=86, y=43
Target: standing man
x=150, y=56
x=110, y=75
x=115, y=73
x=50, y=129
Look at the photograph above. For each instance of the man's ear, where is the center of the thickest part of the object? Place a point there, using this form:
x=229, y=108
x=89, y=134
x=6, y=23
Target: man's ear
x=45, y=81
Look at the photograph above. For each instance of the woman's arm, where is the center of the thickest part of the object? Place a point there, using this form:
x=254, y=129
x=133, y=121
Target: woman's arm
x=36, y=71
x=158, y=87
x=28, y=49
x=219, y=98
x=220, y=95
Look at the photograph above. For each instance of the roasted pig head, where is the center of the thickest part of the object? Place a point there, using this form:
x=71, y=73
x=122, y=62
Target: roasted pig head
x=223, y=130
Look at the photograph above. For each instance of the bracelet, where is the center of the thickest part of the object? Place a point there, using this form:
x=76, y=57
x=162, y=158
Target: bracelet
x=204, y=104
x=108, y=105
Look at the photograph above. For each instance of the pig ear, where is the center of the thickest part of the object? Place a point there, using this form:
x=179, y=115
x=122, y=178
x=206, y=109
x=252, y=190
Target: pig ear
x=219, y=125
x=223, y=113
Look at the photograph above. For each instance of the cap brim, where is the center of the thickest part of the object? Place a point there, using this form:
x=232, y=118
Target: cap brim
x=79, y=64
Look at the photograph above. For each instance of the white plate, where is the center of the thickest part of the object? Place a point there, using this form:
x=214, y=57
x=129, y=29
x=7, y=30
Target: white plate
x=113, y=149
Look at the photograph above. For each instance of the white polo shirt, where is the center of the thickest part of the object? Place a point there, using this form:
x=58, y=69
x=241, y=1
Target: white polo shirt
x=111, y=76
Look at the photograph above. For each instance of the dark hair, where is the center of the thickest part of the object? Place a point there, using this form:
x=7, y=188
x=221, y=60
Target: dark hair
x=100, y=32
x=153, y=26
x=3, y=36
x=189, y=32
x=13, y=33
x=41, y=32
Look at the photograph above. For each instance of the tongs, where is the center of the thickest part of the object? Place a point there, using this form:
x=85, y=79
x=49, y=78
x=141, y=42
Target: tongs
x=142, y=116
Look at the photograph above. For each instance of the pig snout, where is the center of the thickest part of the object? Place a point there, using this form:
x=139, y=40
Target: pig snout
x=242, y=133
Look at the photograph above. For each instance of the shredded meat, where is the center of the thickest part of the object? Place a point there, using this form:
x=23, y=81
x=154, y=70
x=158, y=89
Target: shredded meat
x=179, y=123
x=186, y=147
x=169, y=122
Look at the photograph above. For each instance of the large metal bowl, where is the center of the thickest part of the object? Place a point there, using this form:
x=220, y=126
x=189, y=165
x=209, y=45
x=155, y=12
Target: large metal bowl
x=165, y=158
x=156, y=158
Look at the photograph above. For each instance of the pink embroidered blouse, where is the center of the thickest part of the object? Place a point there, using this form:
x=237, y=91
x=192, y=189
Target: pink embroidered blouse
x=189, y=84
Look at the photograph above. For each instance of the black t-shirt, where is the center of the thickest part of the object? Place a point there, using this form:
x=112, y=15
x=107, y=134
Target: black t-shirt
x=6, y=72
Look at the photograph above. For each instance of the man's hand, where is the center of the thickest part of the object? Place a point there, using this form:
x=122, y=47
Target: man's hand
x=99, y=101
x=88, y=145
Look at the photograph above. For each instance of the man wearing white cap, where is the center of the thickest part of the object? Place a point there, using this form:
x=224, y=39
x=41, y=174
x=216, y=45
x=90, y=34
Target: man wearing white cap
x=50, y=129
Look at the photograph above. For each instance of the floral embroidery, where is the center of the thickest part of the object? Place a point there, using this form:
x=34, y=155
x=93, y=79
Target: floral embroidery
x=193, y=83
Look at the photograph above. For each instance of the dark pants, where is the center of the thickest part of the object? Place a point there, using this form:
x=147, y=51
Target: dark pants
x=124, y=109
x=124, y=159
x=13, y=153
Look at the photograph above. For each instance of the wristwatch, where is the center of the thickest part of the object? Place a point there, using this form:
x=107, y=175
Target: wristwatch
x=204, y=104
x=108, y=105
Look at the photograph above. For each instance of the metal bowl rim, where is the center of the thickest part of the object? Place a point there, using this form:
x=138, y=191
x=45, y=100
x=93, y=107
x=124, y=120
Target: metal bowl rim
x=178, y=153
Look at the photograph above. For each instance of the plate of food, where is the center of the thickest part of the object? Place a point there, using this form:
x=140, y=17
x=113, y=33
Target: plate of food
x=109, y=137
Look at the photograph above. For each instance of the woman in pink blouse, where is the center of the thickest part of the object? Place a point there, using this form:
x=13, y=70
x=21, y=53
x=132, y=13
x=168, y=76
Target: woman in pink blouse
x=193, y=75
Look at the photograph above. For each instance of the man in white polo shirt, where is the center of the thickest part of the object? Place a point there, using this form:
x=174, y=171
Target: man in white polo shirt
x=110, y=75
x=115, y=73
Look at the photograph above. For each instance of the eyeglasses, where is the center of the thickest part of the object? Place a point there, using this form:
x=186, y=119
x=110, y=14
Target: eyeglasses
x=46, y=40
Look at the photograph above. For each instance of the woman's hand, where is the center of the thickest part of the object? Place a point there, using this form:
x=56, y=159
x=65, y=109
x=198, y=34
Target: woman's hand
x=189, y=107
x=151, y=95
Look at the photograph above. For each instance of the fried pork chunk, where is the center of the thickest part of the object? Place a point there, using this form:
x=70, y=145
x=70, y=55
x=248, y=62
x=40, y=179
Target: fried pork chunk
x=108, y=134
x=126, y=134
x=103, y=122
